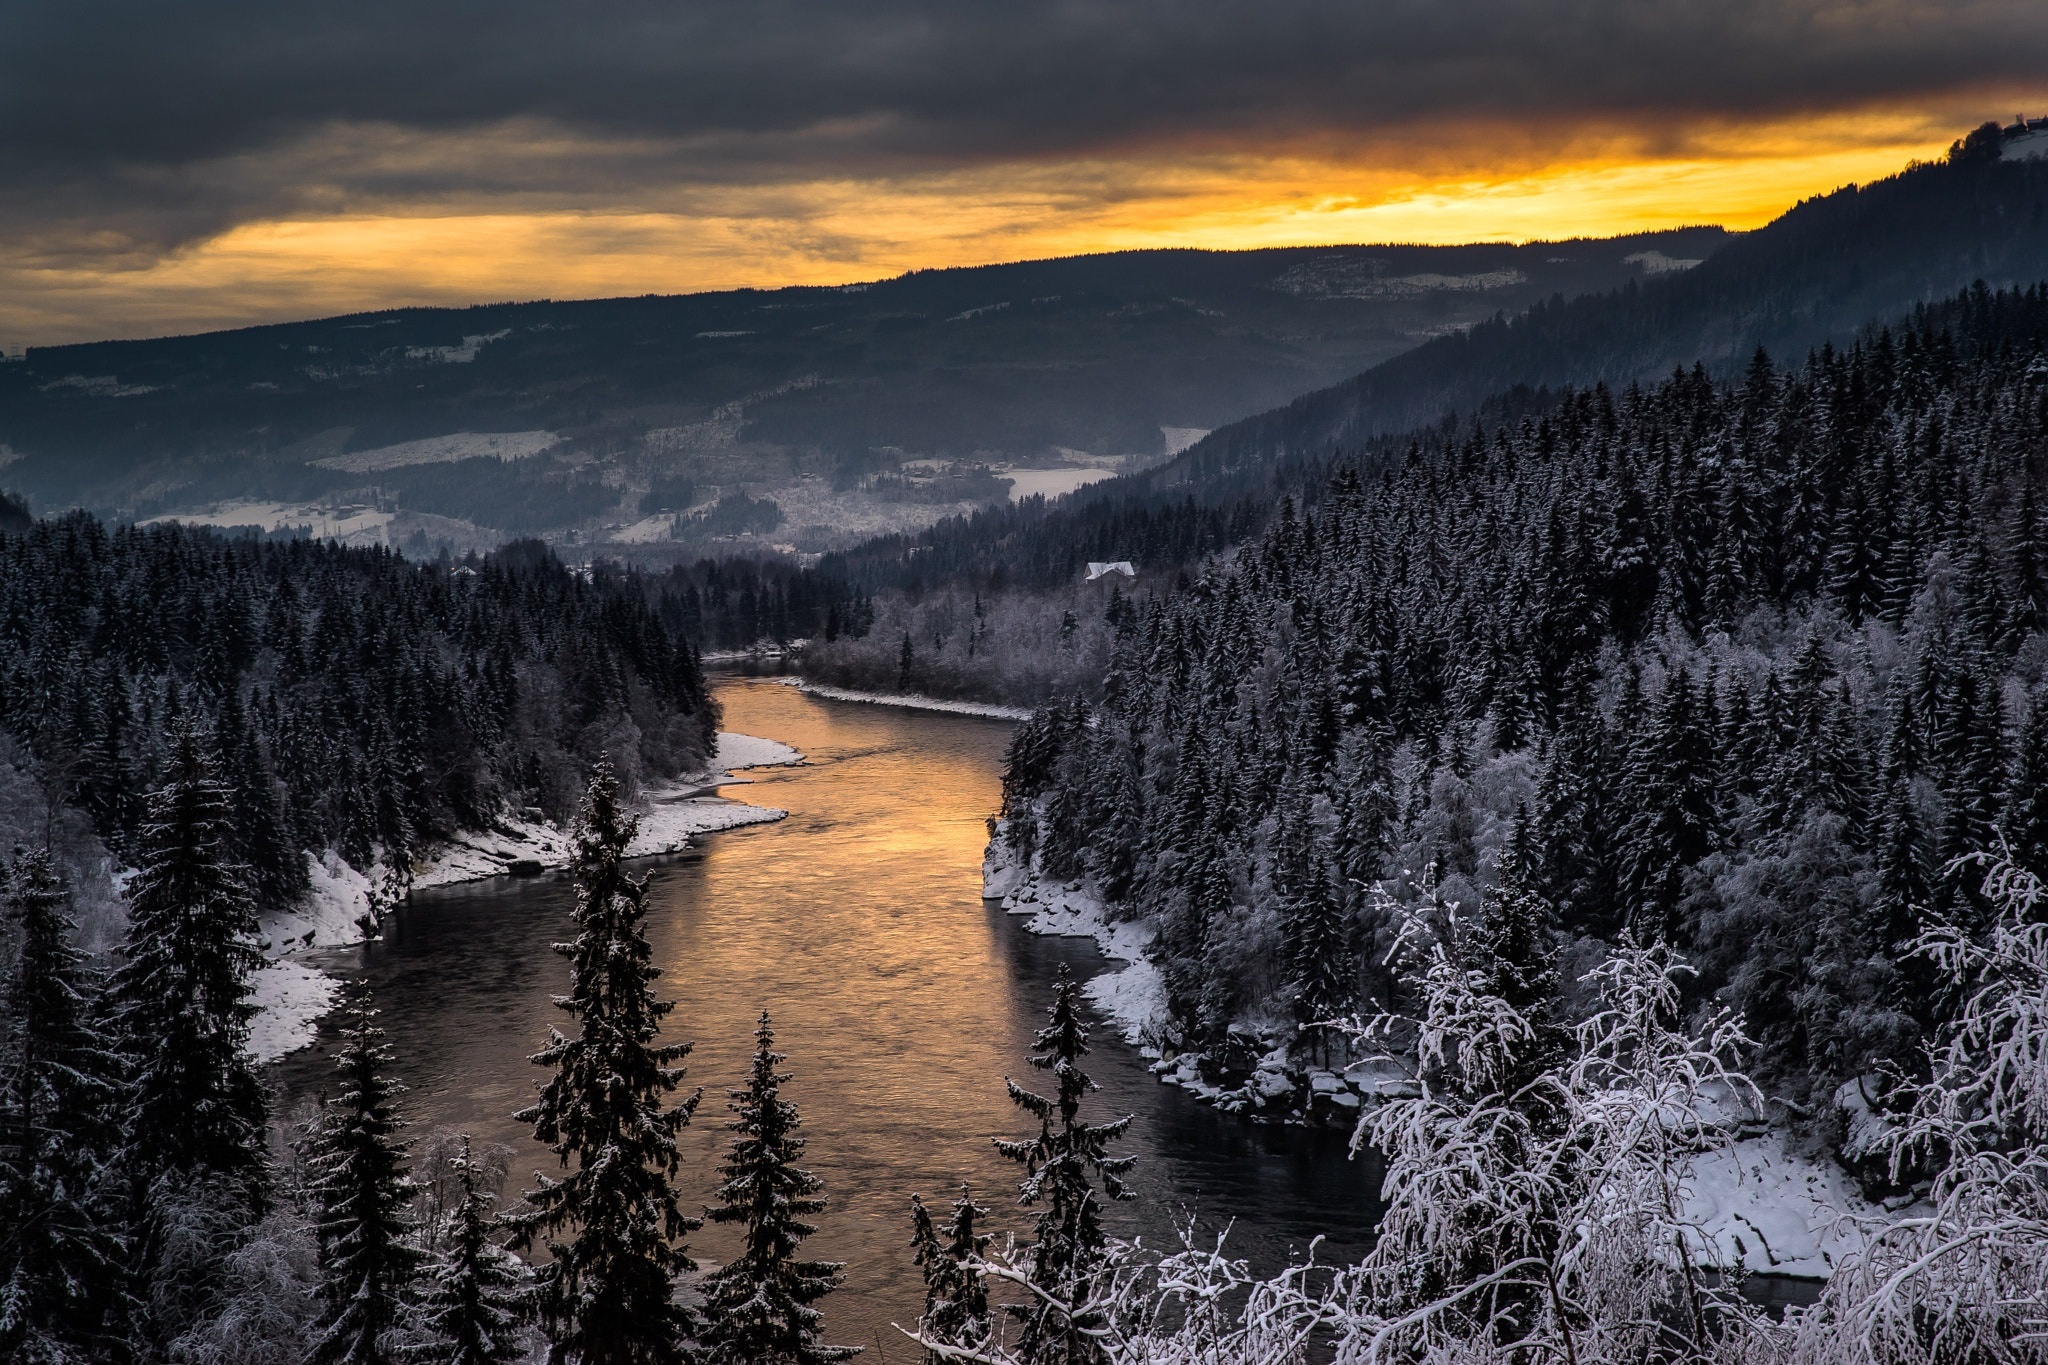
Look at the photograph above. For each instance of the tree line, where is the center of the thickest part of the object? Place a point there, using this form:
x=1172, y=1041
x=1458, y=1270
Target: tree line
x=1738, y=666
x=349, y=700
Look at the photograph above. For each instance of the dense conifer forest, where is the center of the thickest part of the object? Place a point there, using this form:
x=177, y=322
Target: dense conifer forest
x=348, y=699
x=1740, y=667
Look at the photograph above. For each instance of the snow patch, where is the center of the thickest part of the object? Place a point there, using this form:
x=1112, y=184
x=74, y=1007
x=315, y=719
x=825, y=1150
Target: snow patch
x=1050, y=483
x=1657, y=263
x=1134, y=996
x=337, y=910
x=290, y=997
x=749, y=751
x=1763, y=1209
x=460, y=445
x=911, y=700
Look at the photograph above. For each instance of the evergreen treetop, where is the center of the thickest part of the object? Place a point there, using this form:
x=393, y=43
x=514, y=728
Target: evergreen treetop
x=182, y=993
x=1063, y=1164
x=760, y=1304
x=362, y=1192
x=612, y=1227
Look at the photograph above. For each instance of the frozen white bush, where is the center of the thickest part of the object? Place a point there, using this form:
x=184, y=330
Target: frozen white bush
x=1537, y=1212
x=1964, y=1276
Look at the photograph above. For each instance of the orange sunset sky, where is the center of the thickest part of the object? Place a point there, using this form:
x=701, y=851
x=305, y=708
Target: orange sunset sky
x=252, y=196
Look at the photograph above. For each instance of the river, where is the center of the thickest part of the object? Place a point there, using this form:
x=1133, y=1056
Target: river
x=901, y=998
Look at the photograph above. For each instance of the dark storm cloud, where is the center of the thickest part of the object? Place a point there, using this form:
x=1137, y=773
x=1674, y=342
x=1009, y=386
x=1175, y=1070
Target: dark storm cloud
x=164, y=122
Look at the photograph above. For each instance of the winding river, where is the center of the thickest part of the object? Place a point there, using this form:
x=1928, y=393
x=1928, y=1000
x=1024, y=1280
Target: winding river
x=901, y=998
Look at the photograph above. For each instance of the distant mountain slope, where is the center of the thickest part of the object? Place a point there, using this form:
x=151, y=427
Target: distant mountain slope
x=1815, y=274
x=1822, y=272
x=602, y=405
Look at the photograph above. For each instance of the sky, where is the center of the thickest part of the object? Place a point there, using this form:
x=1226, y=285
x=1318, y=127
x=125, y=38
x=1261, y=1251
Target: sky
x=175, y=168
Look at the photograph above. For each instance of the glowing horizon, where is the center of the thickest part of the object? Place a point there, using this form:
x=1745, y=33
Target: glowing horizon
x=832, y=231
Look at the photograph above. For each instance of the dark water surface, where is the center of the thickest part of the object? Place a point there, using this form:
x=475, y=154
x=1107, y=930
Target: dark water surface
x=901, y=998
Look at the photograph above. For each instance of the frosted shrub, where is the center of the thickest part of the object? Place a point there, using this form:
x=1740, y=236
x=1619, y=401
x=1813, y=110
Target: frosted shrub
x=1964, y=1276
x=1541, y=1216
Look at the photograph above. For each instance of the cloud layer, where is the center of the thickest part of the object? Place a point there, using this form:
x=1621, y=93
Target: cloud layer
x=134, y=131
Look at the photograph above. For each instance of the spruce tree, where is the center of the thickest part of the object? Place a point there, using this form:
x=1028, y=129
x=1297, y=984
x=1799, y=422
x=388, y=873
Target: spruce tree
x=955, y=1290
x=760, y=1304
x=181, y=995
x=61, y=1258
x=361, y=1193
x=480, y=1292
x=2025, y=821
x=612, y=1227
x=1062, y=1164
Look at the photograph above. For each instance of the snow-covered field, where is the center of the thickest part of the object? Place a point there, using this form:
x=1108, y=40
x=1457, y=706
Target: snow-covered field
x=1052, y=483
x=912, y=700
x=291, y=996
x=459, y=445
x=338, y=523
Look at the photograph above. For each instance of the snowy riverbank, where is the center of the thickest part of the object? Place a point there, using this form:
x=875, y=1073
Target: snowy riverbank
x=291, y=996
x=1755, y=1204
x=913, y=701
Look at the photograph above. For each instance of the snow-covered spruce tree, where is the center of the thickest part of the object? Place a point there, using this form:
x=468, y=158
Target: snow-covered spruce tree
x=1964, y=1276
x=62, y=1292
x=955, y=1286
x=612, y=1228
x=182, y=994
x=760, y=1306
x=1063, y=1321
x=361, y=1192
x=479, y=1292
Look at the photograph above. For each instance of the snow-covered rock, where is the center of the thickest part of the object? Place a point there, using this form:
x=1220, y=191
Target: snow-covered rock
x=1135, y=994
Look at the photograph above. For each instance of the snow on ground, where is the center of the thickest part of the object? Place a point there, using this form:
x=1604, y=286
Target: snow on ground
x=1769, y=1211
x=912, y=700
x=337, y=523
x=1180, y=438
x=459, y=445
x=291, y=996
x=1134, y=996
x=1052, y=483
x=645, y=531
x=748, y=751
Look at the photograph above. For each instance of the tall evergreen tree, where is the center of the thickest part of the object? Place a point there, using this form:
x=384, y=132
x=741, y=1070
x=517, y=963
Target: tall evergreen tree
x=182, y=994
x=955, y=1290
x=61, y=1258
x=761, y=1303
x=362, y=1194
x=480, y=1292
x=612, y=1227
x=1062, y=1165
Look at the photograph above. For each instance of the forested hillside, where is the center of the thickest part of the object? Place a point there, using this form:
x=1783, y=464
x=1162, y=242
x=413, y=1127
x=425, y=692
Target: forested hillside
x=1739, y=666
x=349, y=699
x=617, y=408
x=1820, y=273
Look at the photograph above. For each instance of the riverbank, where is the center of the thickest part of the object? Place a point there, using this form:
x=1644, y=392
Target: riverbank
x=345, y=905
x=1756, y=1204
x=913, y=701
